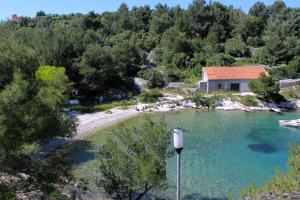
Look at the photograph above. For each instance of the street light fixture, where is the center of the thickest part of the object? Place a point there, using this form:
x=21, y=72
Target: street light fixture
x=178, y=145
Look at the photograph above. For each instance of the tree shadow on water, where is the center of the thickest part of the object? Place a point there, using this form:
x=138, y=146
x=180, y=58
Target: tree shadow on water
x=263, y=148
x=81, y=151
x=197, y=196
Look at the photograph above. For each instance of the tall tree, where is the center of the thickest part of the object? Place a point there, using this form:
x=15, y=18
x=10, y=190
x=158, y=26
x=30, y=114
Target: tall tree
x=200, y=18
x=133, y=160
x=23, y=122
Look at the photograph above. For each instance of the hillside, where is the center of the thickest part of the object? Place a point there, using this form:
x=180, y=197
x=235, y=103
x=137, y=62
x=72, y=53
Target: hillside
x=103, y=52
x=96, y=58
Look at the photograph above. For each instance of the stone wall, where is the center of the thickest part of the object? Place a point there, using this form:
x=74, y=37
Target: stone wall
x=288, y=83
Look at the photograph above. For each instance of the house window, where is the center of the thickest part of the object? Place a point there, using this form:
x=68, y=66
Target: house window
x=219, y=86
x=235, y=87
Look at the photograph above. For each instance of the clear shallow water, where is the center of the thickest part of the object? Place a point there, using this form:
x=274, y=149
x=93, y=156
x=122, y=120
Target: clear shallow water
x=226, y=151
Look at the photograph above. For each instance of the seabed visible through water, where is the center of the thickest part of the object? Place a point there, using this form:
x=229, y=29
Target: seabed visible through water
x=225, y=152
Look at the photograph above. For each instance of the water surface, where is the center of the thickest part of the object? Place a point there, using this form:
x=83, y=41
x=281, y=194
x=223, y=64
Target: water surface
x=224, y=151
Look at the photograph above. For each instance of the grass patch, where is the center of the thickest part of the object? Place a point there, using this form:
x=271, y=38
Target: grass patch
x=249, y=101
x=150, y=96
x=90, y=108
x=291, y=93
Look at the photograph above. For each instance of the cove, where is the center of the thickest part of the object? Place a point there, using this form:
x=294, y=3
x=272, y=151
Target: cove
x=224, y=152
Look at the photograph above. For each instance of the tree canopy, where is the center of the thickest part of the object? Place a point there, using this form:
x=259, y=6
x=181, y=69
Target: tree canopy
x=266, y=86
x=103, y=52
x=133, y=160
x=23, y=122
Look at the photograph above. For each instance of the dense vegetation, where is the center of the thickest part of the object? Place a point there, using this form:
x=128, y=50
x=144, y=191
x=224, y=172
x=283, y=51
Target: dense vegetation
x=30, y=114
x=102, y=52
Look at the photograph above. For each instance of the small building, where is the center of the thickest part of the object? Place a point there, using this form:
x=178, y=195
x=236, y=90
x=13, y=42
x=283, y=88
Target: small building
x=229, y=78
x=16, y=18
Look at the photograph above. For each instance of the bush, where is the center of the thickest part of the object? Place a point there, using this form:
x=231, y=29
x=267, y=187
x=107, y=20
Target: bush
x=173, y=74
x=200, y=100
x=6, y=193
x=150, y=96
x=267, y=88
x=145, y=73
x=249, y=101
x=156, y=80
x=129, y=166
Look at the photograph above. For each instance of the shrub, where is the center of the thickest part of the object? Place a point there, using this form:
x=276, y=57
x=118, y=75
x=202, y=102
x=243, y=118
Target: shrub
x=145, y=73
x=249, y=101
x=173, y=74
x=267, y=88
x=150, y=96
x=7, y=193
x=200, y=100
x=156, y=80
x=129, y=166
x=210, y=102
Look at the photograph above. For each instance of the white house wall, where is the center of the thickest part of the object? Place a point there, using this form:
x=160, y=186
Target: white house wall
x=204, y=76
x=244, y=87
x=213, y=85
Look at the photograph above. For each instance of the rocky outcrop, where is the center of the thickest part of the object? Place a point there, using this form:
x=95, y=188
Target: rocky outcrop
x=140, y=83
x=168, y=102
x=32, y=195
x=289, y=105
x=78, y=191
x=6, y=179
x=229, y=105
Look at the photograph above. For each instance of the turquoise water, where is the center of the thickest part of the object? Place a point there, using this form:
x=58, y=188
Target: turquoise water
x=226, y=151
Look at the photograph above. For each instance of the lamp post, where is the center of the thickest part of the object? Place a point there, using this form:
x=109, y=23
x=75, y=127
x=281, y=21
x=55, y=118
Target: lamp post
x=178, y=145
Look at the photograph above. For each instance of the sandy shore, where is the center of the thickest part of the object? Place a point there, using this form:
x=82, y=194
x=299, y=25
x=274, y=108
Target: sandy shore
x=88, y=124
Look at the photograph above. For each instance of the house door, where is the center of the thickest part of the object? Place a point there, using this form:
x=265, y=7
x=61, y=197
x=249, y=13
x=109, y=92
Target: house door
x=235, y=87
x=219, y=86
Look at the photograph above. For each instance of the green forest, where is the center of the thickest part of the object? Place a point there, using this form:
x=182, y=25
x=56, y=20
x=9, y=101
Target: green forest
x=101, y=53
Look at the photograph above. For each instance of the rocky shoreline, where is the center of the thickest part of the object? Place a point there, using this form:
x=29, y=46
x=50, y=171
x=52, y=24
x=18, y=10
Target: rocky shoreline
x=175, y=102
x=89, y=124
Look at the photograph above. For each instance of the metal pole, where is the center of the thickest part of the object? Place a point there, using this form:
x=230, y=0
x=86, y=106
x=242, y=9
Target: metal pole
x=178, y=177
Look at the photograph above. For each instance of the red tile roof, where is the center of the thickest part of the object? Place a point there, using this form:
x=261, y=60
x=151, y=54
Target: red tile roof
x=234, y=73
